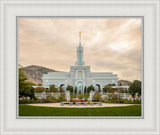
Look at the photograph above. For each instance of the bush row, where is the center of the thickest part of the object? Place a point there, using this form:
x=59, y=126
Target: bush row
x=112, y=98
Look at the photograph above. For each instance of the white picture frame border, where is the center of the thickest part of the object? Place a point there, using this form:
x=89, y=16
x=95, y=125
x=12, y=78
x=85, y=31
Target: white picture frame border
x=10, y=128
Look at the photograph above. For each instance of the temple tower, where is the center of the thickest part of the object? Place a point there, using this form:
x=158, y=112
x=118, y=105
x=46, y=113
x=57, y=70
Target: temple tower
x=80, y=61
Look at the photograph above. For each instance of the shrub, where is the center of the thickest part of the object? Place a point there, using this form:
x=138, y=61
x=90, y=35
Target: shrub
x=53, y=89
x=86, y=96
x=61, y=98
x=131, y=102
x=80, y=96
x=97, y=97
x=115, y=98
x=71, y=97
x=108, y=89
x=40, y=89
x=50, y=99
x=26, y=101
x=79, y=92
x=89, y=102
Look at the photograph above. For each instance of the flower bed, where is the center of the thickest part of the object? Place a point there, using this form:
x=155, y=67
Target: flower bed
x=78, y=101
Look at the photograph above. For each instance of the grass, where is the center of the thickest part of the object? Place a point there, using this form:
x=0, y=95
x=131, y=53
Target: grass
x=27, y=110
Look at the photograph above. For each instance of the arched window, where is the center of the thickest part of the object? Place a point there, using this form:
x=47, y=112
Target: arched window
x=80, y=75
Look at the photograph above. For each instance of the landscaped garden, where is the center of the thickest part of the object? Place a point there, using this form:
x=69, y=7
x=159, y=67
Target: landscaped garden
x=89, y=98
x=97, y=97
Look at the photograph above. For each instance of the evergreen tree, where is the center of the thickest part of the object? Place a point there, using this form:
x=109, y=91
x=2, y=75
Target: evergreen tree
x=75, y=90
x=70, y=88
x=85, y=89
x=32, y=93
x=90, y=88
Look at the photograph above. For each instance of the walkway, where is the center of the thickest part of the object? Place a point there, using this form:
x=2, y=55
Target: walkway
x=80, y=106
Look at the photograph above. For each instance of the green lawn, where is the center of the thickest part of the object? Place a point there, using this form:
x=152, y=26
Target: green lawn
x=26, y=110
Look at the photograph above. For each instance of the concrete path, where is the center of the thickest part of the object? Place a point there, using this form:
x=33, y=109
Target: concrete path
x=80, y=106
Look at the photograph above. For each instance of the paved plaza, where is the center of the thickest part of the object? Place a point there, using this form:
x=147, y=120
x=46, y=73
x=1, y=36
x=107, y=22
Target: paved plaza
x=80, y=105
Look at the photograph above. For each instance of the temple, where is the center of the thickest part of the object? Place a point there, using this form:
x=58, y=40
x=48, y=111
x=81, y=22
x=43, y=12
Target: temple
x=79, y=75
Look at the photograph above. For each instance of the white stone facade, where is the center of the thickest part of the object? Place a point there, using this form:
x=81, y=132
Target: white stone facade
x=79, y=76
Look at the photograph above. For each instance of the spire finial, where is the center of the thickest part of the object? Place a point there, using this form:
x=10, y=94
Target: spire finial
x=80, y=38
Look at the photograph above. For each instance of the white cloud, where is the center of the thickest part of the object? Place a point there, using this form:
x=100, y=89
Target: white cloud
x=110, y=45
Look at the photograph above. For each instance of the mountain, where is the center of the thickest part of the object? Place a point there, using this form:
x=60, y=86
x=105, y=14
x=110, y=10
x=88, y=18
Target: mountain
x=124, y=82
x=35, y=73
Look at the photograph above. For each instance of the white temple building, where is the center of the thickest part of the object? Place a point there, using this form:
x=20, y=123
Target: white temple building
x=79, y=75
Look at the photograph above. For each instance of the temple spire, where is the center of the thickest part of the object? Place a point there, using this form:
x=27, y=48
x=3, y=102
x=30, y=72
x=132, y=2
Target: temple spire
x=80, y=61
x=79, y=38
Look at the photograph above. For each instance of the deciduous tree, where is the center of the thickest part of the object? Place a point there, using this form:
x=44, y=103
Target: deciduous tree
x=24, y=86
x=135, y=87
x=52, y=88
x=70, y=88
x=108, y=89
x=40, y=89
x=90, y=88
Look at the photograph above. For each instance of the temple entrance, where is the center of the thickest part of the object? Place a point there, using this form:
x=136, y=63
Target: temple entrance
x=79, y=87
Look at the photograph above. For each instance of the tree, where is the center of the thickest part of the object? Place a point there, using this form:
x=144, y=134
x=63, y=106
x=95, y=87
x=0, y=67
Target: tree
x=70, y=88
x=32, y=93
x=99, y=90
x=52, y=88
x=75, y=90
x=24, y=86
x=22, y=80
x=85, y=89
x=61, y=90
x=111, y=84
x=135, y=87
x=90, y=88
x=40, y=89
x=108, y=89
